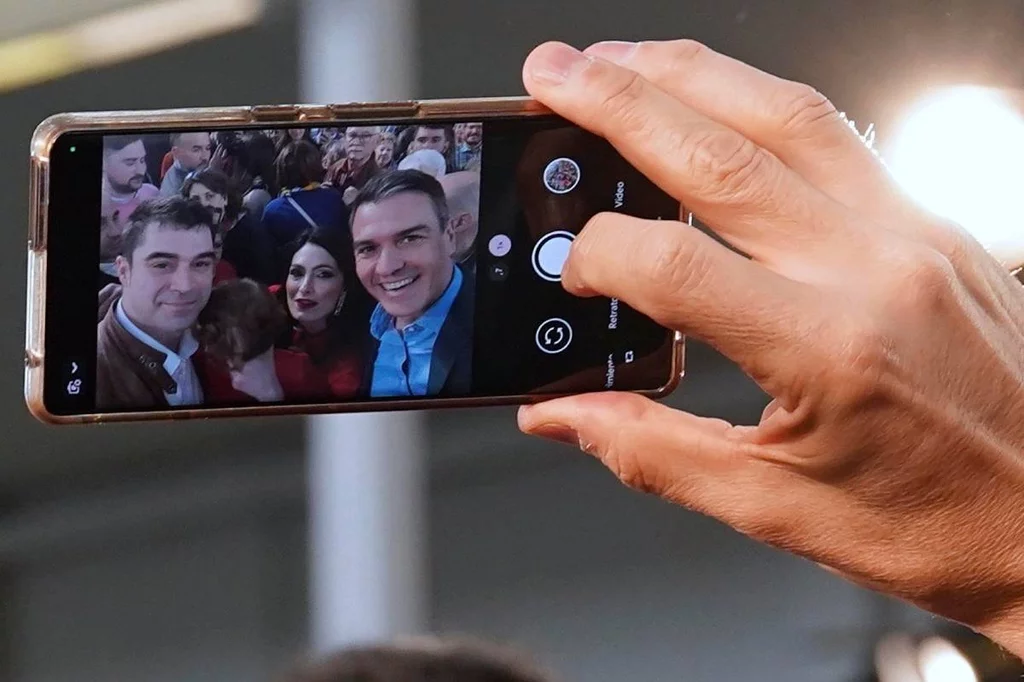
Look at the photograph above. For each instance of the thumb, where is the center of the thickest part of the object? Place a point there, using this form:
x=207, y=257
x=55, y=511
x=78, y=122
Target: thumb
x=704, y=464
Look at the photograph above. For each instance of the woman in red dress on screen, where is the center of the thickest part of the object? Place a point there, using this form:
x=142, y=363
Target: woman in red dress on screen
x=329, y=309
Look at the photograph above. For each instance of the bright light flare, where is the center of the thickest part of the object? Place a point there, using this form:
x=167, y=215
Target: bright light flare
x=960, y=153
x=940, y=661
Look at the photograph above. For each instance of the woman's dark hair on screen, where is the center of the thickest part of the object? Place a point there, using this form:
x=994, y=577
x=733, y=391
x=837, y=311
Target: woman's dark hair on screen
x=351, y=325
x=299, y=164
x=261, y=154
x=218, y=183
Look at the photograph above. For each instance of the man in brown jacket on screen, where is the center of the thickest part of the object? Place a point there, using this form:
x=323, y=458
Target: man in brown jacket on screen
x=147, y=356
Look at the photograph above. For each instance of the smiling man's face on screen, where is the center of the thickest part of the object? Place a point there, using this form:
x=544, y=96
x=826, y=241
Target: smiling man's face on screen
x=403, y=253
x=167, y=277
x=404, y=243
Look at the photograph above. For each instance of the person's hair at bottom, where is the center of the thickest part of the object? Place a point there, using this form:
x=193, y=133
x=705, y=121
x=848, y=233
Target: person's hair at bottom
x=421, y=660
x=241, y=321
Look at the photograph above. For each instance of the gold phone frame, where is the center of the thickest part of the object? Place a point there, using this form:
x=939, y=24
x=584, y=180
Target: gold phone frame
x=216, y=118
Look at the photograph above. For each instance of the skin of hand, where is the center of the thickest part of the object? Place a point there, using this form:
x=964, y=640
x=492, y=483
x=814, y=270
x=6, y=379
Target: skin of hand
x=219, y=160
x=891, y=343
x=258, y=378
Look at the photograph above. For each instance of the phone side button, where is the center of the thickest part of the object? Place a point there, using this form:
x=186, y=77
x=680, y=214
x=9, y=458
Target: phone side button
x=370, y=109
x=40, y=191
x=275, y=113
x=315, y=112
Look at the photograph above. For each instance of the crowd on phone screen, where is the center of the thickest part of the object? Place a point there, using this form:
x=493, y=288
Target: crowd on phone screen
x=294, y=264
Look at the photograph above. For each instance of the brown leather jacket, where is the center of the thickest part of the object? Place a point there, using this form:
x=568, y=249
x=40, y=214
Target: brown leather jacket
x=129, y=374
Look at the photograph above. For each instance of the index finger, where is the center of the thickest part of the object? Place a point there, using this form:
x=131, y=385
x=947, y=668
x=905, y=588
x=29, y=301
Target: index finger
x=743, y=192
x=685, y=280
x=791, y=120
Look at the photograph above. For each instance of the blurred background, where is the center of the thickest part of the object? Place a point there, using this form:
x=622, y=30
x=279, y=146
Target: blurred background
x=221, y=550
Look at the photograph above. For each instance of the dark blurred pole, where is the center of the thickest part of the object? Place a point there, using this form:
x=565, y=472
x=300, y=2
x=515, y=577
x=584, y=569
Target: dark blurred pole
x=367, y=484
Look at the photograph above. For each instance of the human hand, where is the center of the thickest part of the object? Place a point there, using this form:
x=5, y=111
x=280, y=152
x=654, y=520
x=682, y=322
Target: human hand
x=258, y=378
x=349, y=195
x=891, y=343
x=221, y=160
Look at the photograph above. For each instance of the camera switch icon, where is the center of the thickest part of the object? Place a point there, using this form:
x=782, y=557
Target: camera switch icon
x=553, y=336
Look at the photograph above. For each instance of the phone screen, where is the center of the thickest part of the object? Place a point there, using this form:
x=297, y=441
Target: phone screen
x=311, y=266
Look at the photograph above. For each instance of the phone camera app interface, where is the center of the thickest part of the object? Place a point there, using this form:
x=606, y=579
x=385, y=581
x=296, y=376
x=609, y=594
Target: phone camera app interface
x=541, y=338
x=321, y=265
x=550, y=254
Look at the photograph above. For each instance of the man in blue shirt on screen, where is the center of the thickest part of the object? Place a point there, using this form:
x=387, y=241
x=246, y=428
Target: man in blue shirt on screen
x=422, y=325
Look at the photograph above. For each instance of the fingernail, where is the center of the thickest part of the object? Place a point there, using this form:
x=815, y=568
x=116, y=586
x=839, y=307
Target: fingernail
x=555, y=64
x=556, y=432
x=617, y=51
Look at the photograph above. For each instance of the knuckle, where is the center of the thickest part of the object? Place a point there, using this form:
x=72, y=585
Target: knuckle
x=863, y=351
x=803, y=108
x=664, y=61
x=650, y=52
x=589, y=250
x=623, y=93
x=601, y=226
x=629, y=467
x=858, y=361
x=676, y=267
x=954, y=242
x=920, y=281
x=625, y=463
x=728, y=163
x=686, y=51
x=625, y=460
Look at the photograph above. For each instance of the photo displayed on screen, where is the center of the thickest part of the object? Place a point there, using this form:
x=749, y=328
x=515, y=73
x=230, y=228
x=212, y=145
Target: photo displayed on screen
x=295, y=265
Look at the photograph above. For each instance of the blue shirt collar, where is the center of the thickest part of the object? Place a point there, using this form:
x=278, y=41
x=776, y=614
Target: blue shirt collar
x=431, y=320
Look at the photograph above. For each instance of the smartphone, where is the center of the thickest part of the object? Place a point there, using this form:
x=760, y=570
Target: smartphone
x=308, y=259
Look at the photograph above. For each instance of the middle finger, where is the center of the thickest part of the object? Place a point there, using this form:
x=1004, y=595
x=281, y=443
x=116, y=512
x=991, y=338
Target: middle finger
x=743, y=192
x=792, y=120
